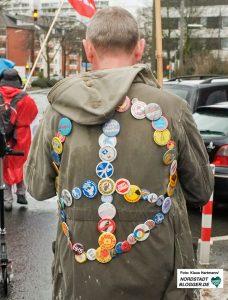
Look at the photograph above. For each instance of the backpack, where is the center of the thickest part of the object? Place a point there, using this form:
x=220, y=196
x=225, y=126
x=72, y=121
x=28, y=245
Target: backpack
x=6, y=110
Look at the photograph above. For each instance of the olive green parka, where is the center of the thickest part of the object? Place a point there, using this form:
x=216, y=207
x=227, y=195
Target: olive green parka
x=149, y=270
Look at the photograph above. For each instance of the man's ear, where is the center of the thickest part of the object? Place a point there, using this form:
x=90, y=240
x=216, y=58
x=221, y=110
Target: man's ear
x=89, y=50
x=139, y=50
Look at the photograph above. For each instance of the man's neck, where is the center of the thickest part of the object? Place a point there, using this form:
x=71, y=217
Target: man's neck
x=110, y=62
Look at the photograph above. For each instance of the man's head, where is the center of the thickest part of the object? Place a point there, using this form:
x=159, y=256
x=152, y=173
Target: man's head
x=113, y=33
x=10, y=77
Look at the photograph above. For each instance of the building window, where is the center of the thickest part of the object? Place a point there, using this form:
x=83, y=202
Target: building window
x=224, y=43
x=224, y=21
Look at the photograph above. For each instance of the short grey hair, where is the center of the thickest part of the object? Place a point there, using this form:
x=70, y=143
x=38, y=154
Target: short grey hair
x=112, y=29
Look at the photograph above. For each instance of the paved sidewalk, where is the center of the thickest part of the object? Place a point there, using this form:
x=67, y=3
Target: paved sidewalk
x=218, y=260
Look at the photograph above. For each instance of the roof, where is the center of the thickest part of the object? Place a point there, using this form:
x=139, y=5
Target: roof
x=6, y=20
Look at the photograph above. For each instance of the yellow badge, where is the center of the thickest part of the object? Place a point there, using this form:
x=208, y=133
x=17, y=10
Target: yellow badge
x=173, y=180
x=107, y=240
x=134, y=195
x=55, y=167
x=103, y=255
x=57, y=145
x=169, y=156
x=65, y=229
x=170, y=190
x=161, y=138
x=81, y=258
x=106, y=186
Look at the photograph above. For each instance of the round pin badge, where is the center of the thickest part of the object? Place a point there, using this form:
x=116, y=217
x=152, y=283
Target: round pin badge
x=56, y=167
x=81, y=258
x=161, y=138
x=159, y=218
x=131, y=239
x=76, y=193
x=91, y=254
x=173, y=180
x=118, y=248
x=106, y=198
x=107, y=240
x=106, y=186
x=170, y=190
x=138, y=110
x=61, y=137
x=65, y=126
x=111, y=128
x=103, y=255
x=67, y=198
x=171, y=145
x=145, y=194
x=106, y=225
x=124, y=105
x=61, y=203
x=57, y=145
x=173, y=167
x=107, y=153
x=106, y=211
x=126, y=247
x=152, y=198
x=104, y=169
x=141, y=232
x=160, y=124
x=62, y=215
x=56, y=157
x=78, y=248
x=134, y=194
x=160, y=200
x=105, y=140
x=150, y=224
x=65, y=229
x=169, y=156
x=153, y=111
x=89, y=189
x=167, y=203
x=122, y=186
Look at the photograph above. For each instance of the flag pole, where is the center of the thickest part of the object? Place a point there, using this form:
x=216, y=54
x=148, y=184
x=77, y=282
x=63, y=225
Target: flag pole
x=43, y=45
x=159, y=41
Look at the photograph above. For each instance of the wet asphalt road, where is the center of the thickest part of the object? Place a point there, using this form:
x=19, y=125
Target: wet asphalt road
x=31, y=230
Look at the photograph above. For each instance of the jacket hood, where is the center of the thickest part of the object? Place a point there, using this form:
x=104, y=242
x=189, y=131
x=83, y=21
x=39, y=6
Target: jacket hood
x=91, y=98
x=8, y=92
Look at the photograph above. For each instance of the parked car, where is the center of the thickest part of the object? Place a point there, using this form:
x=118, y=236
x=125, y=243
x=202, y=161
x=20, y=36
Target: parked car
x=199, y=90
x=212, y=122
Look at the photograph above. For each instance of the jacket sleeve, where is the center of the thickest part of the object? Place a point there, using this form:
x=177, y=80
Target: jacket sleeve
x=194, y=170
x=26, y=111
x=39, y=173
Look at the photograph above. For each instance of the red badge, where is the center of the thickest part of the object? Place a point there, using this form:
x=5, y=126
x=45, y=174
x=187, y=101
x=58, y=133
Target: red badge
x=106, y=225
x=124, y=105
x=125, y=247
x=122, y=186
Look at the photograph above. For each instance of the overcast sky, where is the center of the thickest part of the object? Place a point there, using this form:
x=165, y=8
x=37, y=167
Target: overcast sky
x=131, y=5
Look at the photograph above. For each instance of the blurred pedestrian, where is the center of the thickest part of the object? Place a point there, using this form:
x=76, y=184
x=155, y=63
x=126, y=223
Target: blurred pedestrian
x=18, y=110
x=123, y=157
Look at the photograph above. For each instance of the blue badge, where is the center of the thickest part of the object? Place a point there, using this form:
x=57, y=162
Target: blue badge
x=56, y=157
x=76, y=193
x=104, y=169
x=118, y=248
x=166, y=205
x=65, y=126
x=111, y=128
x=160, y=124
x=63, y=215
x=160, y=200
x=107, y=198
x=89, y=189
x=158, y=218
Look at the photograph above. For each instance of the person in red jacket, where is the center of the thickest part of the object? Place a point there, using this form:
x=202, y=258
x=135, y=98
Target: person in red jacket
x=21, y=117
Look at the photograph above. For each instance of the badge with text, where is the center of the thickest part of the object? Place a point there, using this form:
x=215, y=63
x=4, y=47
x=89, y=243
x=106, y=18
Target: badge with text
x=65, y=126
x=122, y=186
x=111, y=128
